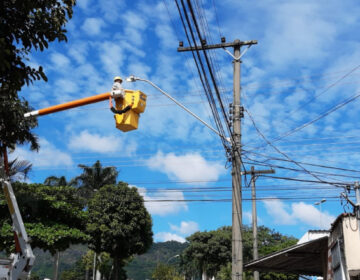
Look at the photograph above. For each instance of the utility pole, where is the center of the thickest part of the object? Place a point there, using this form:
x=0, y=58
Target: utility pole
x=237, y=241
x=357, y=208
x=254, y=174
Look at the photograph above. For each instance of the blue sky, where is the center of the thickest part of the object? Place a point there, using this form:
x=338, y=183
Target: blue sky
x=306, y=49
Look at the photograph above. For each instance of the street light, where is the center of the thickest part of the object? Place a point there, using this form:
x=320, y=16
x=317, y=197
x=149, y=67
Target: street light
x=320, y=203
x=173, y=257
x=132, y=78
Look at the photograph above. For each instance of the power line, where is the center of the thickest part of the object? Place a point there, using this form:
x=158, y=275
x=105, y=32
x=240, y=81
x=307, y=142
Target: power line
x=331, y=110
x=280, y=152
x=326, y=90
x=306, y=163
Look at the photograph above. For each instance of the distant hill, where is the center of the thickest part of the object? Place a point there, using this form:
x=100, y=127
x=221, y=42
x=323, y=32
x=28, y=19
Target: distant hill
x=44, y=262
x=140, y=268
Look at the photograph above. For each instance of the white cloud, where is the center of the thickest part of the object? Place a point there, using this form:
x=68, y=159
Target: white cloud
x=112, y=57
x=188, y=167
x=185, y=228
x=308, y=214
x=299, y=212
x=111, y=9
x=93, y=142
x=66, y=86
x=48, y=155
x=83, y=4
x=167, y=236
x=93, y=26
x=59, y=60
x=164, y=207
x=134, y=27
x=278, y=210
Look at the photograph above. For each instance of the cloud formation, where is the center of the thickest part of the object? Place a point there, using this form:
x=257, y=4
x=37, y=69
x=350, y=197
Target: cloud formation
x=167, y=236
x=163, y=207
x=93, y=142
x=185, y=228
x=47, y=156
x=188, y=167
x=93, y=26
x=299, y=212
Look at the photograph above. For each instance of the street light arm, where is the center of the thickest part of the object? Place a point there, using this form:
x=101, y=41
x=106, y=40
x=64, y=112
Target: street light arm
x=133, y=79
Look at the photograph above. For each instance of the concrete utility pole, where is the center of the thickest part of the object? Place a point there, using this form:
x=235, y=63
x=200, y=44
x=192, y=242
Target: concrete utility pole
x=237, y=241
x=254, y=174
x=357, y=208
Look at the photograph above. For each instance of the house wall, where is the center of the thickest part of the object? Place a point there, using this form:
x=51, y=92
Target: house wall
x=351, y=232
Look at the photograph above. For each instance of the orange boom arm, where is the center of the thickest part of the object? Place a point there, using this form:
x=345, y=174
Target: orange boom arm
x=69, y=105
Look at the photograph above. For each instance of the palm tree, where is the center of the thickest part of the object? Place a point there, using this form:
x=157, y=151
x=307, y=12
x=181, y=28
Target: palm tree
x=19, y=169
x=54, y=181
x=93, y=178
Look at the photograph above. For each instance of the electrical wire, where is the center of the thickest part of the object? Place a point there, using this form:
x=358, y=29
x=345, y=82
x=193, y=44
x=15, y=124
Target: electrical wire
x=328, y=112
x=324, y=91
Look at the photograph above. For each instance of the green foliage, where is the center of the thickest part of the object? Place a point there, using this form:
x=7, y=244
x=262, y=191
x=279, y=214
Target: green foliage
x=25, y=25
x=210, y=252
x=53, y=217
x=56, y=181
x=76, y=273
x=224, y=272
x=14, y=128
x=165, y=272
x=142, y=266
x=44, y=263
x=119, y=223
x=93, y=178
x=19, y=169
x=207, y=251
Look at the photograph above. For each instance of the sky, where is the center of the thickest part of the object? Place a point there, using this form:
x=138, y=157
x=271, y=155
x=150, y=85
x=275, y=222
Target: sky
x=305, y=65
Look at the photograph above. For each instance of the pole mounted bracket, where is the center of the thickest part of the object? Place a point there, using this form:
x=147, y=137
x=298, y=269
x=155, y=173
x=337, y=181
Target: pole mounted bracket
x=233, y=56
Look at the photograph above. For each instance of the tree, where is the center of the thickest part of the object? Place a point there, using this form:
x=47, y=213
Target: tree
x=119, y=224
x=19, y=169
x=53, y=217
x=210, y=252
x=165, y=272
x=93, y=178
x=207, y=251
x=54, y=181
x=25, y=25
x=14, y=128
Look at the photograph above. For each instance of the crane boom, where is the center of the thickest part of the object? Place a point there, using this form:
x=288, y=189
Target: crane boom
x=69, y=105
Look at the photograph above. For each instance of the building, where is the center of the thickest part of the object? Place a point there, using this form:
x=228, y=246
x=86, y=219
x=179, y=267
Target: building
x=333, y=254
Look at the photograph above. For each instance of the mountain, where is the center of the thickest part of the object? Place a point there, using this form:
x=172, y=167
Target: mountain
x=142, y=266
x=139, y=268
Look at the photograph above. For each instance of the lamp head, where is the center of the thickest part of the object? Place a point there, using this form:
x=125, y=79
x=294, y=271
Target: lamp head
x=131, y=78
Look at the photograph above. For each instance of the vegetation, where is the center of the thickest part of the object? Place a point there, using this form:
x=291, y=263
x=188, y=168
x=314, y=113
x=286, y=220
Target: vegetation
x=119, y=224
x=25, y=26
x=53, y=217
x=19, y=169
x=93, y=178
x=142, y=266
x=166, y=272
x=210, y=252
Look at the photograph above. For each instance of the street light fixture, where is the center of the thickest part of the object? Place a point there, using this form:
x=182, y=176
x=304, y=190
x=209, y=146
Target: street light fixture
x=173, y=257
x=132, y=78
x=320, y=203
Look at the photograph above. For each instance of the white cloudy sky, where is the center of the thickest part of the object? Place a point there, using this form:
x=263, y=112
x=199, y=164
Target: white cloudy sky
x=306, y=63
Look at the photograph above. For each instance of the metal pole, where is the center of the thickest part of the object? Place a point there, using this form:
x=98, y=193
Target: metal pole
x=94, y=266
x=357, y=193
x=254, y=220
x=237, y=243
